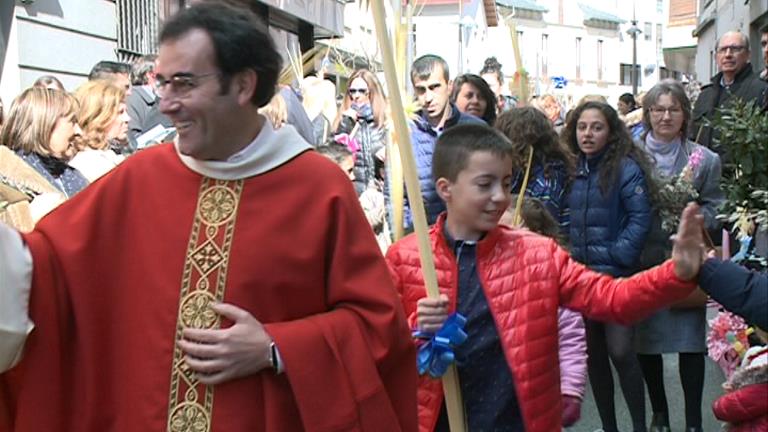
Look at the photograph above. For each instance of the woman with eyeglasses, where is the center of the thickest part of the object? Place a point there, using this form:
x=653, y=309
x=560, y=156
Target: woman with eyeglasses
x=667, y=110
x=610, y=219
x=363, y=117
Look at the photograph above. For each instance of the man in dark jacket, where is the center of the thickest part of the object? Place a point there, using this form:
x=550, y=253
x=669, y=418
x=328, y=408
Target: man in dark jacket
x=738, y=289
x=143, y=106
x=735, y=80
x=429, y=76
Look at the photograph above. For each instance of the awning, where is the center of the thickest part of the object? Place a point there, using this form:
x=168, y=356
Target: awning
x=530, y=5
x=681, y=59
x=326, y=16
x=592, y=14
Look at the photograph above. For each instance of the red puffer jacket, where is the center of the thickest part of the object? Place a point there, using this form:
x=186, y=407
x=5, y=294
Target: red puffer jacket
x=525, y=277
x=746, y=409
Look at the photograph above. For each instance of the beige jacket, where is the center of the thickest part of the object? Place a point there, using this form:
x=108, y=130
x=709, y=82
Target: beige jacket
x=17, y=181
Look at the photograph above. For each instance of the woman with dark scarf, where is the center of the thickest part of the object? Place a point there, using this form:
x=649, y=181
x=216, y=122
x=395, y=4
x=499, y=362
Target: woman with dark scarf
x=667, y=110
x=41, y=130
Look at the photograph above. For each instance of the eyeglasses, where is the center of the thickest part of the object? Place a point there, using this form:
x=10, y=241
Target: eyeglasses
x=736, y=49
x=361, y=91
x=660, y=111
x=180, y=84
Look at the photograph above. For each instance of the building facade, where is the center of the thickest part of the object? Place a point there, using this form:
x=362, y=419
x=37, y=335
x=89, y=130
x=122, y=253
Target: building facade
x=65, y=38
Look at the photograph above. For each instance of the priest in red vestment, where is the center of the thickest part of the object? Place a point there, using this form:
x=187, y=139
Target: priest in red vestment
x=228, y=282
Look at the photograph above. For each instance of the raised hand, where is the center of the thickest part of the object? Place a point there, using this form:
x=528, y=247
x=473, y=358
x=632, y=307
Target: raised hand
x=688, y=244
x=221, y=355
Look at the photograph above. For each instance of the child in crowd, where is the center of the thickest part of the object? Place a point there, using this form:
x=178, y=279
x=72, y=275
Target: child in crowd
x=509, y=285
x=745, y=404
x=572, y=338
x=371, y=200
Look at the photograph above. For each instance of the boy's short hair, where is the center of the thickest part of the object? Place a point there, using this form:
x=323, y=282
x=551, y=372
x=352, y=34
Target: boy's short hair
x=455, y=146
x=335, y=152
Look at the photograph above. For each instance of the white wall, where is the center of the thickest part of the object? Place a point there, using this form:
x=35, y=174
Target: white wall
x=64, y=38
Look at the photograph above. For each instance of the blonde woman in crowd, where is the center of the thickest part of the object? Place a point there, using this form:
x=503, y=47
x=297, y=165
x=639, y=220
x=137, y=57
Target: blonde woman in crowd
x=104, y=121
x=38, y=140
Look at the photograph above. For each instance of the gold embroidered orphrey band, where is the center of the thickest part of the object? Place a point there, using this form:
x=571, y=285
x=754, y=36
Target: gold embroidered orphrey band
x=202, y=284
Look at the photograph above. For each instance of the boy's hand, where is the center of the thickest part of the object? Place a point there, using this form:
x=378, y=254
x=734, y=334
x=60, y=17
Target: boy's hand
x=688, y=248
x=431, y=313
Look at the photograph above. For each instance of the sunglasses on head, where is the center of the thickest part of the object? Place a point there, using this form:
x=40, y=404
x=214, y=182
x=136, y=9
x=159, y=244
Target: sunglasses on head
x=363, y=91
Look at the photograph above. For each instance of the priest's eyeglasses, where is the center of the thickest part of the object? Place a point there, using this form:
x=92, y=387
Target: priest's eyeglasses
x=181, y=84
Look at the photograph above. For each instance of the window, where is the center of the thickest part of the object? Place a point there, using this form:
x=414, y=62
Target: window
x=659, y=6
x=599, y=59
x=578, y=58
x=659, y=53
x=648, y=31
x=544, y=54
x=137, y=27
x=667, y=73
x=625, y=74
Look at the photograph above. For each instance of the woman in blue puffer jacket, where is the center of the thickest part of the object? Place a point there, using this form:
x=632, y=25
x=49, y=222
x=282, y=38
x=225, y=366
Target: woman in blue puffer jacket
x=610, y=219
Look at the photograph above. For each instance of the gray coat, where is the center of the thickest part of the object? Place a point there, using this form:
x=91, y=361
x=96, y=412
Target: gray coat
x=680, y=330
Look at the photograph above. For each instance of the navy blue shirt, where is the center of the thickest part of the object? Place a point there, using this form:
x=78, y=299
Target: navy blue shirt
x=487, y=386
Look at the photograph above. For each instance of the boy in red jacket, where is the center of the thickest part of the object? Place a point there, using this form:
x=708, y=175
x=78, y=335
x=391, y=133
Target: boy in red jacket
x=508, y=284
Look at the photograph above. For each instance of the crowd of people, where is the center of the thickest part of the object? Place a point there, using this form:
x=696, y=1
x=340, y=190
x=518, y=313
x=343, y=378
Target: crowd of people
x=295, y=307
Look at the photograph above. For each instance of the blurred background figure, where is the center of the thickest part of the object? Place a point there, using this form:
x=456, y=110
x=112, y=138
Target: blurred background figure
x=551, y=167
x=631, y=111
x=363, y=117
x=297, y=117
x=472, y=95
x=550, y=106
x=491, y=73
x=49, y=81
x=626, y=104
x=320, y=104
x=275, y=111
x=371, y=200
x=143, y=105
x=104, y=122
x=117, y=73
x=38, y=140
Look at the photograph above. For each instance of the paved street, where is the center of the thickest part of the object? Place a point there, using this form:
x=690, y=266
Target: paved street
x=590, y=421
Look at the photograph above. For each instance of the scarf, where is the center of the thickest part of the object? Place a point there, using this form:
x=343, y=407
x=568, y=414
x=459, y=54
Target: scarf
x=665, y=153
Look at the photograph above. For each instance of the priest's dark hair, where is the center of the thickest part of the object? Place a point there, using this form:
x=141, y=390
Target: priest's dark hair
x=240, y=40
x=457, y=144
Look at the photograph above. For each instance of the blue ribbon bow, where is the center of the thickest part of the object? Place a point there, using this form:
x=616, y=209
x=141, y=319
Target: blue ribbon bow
x=437, y=354
x=559, y=82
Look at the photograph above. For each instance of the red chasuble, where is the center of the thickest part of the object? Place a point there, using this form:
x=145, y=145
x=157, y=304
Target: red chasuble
x=123, y=267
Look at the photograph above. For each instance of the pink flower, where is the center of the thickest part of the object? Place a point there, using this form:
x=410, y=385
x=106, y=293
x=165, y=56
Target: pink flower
x=695, y=159
x=351, y=143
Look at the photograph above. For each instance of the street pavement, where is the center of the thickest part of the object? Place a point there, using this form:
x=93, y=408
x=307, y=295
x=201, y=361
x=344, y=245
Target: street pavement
x=590, y=420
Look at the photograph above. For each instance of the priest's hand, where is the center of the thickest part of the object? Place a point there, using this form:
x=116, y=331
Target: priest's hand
x=217, y=356
x=431, y=313
x=688, y=249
